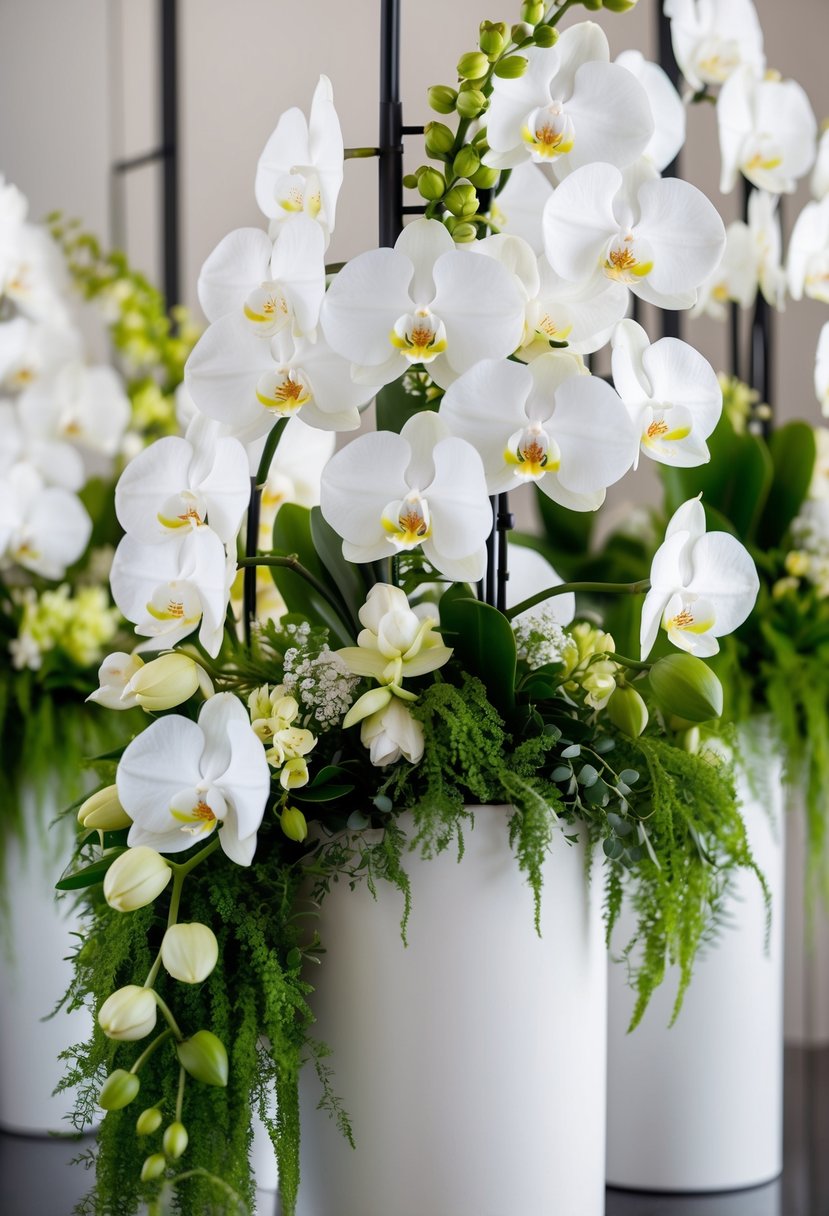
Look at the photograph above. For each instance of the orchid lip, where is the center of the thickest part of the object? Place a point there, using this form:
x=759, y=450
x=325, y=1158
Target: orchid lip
x=284, y=391
x=531, y=453
x=407, y=521
x=420, y=336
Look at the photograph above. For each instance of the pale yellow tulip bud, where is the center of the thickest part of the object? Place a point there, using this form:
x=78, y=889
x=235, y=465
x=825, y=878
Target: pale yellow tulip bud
x=135, y=879
x=130, y=1013
x=293, y=824
x=148, y=1121
x=103, y=811
x=189, y=952
x=167, y=681
x=119, y=1089
x=153, y=1167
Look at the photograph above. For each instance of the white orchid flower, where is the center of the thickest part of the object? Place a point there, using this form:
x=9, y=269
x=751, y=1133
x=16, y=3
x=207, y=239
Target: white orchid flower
x=179, y=781
x=580, y=314
x=767, y=132
x=392, y=732
x=169, y=590
x=43, y=528
x=87, y=406
x=671, y=393
x=752, y=259
x=667, y=110
x=820, y=173
x=661, y=242
x=547, y=423
x=703, y=585
x=114, y=675
x=570, y=107
x=822, y=370
x=59, y=464
x=177, y=484
x=712, y=38
x=32, y=270
x=248, y=385
x=518, y=207
x=273, y=284
x=808, y=260
x=385, y=494
x=300, y=170
x=34, y=350
x=425, y=301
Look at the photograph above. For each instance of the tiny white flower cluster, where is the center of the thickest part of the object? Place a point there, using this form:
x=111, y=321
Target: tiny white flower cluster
x=540, y=639
x=322, y=681
x=810, y=557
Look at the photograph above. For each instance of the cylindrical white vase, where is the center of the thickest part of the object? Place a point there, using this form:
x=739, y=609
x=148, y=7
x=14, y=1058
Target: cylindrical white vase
x=472, y=1063
x=806, y=956
x=699, y=1107
x=34, y=975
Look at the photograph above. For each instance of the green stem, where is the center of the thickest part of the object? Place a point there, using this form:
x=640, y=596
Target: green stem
x=334, y=267
x=269, y=451
x=184, y=868
x=563, y=588
x=171, y=1021
x=148, y=1051
x=292, y=562
x=624, y=661
x=360, y=153
x=182, y=1076
x=180, y=872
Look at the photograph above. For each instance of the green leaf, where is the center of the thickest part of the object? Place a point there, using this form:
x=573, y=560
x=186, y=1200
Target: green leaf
x=483, y=643
x=348, y=578
x=292, y=535
x=90, y=874
x=321, y=793
x=395, y=406
x=793, y=453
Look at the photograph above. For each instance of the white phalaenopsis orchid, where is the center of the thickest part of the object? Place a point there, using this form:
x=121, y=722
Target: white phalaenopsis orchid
x=822, y=370
x=177, y=484
x=767, y=132
x=712, y=38
x=425, y=301
x=546, y=423
x=808, y=260
x=31, y=351
x=571, y=106
x=386, y=493
x=180, y=781
x=301, y=168
x=32, y=272
x=703, y=585
x=661, y=241
x=580, y=314
x=671, y=393
x=517, y=209
x=273, y=284
x=667, y=109
x=820, y=173
x=58, y=463
x=752, y=259
x=43, y=528
x=169, y=590
x=84, y=405
x=248, y=384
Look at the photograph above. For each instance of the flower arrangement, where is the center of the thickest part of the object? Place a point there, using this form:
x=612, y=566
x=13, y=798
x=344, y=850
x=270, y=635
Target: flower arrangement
x=402, y=671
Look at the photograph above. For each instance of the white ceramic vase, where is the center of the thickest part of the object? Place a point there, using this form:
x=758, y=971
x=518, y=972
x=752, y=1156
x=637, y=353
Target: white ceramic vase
x=806, y=1008
x=472, y=1063
x=698, y=1107
x=34, y=974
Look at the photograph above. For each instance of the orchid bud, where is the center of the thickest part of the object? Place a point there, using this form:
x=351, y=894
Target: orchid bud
x=628, y=711
x=689, y=740
x=520, y=32
x=153, y=1167
x=102, y=810
x=471, y=102
x=129, y=1014
x=592, y=5
x=512, y=67
x=442, y=99
x=189, y=952
x=532, y=11
x=463, y=233
x=167, y=681
x=619, y=6
x=492, y=37
x=293, y=824
x=294, y=773
x=438, y=138
x=473, y=65
x=545, y=36
x=118, y=1090
x=462, y=200
x=410, y=181
x=485, y=178
x=203, y=1055
x=148, y=1121
x=135, y=879
x=431, y=184
x=175, y=1140
x=114, y=675
x=466, y=162
x=687, y=688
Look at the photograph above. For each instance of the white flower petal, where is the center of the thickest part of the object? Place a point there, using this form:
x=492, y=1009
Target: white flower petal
x=578, y=221
x=164, y=759
x=238, y=264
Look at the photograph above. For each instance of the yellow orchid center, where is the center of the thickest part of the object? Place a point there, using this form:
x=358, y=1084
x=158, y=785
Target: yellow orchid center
x=628, y=259
x=549, y=132
x=660, y=430
x=182, y=511
x=690, y=619
x=420, y=336
x=548, y=328
x=199, y=811
x=175, y=601
x=531, y=453
x=299, y=193
x=407, y=521
x=284, y=391
x=267, y=308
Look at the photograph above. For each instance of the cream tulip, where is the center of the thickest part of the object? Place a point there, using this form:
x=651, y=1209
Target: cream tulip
x=189, y=952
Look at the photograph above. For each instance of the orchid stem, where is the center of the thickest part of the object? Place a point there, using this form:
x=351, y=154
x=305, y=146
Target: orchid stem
x=148, y=1051
x=563, y=588
x=171, y=1021
x=624, y=661
x=292, y=562
x=360, y=153
x=182, y=1076
x=252, y=534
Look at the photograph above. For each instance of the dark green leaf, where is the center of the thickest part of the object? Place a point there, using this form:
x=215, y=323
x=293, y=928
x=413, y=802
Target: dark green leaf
x=347, y=577
x=793, y=454
x=395, y=406
x=483, y=642
x=90, y=874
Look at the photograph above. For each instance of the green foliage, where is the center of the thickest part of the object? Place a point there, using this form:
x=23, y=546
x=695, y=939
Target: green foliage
x=483, y=643
x=402, y=399
x=292, y=535
x=793, y=451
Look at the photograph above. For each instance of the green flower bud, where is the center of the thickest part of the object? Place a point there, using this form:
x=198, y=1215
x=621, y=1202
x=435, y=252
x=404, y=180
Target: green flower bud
x=135, y=878
x=686, y=687
x=545, y=36
x=293, y=824
x=619, y=6
x=153, y=1167
x=689, y=740
x=462, y=200
x=512, y=67
x=493, y=37
x=466, y=162
x=532, y=11
x=438, y=138
x=118, y=1090
x=592, y=5
x=521, y=32
x=167, y=681
x=442, y=99
x=175, y=1140
x=148, y=1121
x=485, y=178
x=129, y=1014
x=472, y=66
x=203, y=1055
x=463, y=233
x=410, y=181
x=628, y=711
x=189, y=952
x=471, y=103
x=103, y=811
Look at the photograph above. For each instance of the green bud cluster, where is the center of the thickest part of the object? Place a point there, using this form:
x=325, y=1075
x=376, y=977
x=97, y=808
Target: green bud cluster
x=438, y=139
x=473, y=65
x=619, y=6
x=493, y=37
x=471, y=102
x=442, y=98
x=545, y=36
x=532, y=11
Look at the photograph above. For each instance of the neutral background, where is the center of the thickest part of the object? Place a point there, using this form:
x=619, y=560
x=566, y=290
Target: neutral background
x=79, y=87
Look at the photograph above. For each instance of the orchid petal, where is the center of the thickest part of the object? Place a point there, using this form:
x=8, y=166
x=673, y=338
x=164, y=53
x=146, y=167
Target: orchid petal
x=237, y=265
x=578, y=221
x=164, y=759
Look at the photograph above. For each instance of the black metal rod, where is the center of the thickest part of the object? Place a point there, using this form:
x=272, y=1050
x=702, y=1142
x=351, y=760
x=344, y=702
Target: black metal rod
x=734, y=341
x=140, y=161
x=491, y=576
x=169, y=139
x=505, y=522
x=390, y=168
x=671, y=327
x=251, y=547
